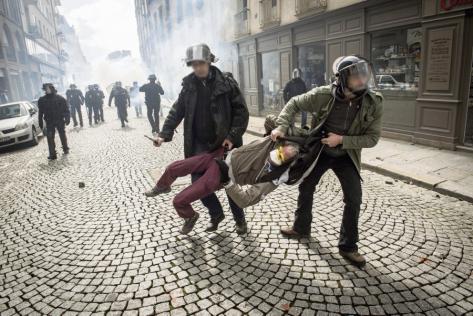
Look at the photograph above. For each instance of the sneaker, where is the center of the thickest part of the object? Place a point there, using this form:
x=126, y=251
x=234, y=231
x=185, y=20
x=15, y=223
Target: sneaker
x=52, y=157
x=354, y=257
x=189, y=224
x=290, y=232
x=213, y=224
x=156, y=191
x=241, y=227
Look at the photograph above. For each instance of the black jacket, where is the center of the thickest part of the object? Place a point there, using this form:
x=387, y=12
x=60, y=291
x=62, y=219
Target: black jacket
x=152, y=91
x=294, y=88
x=228, y=107
x=74, y=97
x=53, y=109
x=122, y=99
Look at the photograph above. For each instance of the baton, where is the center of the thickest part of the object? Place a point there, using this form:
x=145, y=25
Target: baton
x=150, y=138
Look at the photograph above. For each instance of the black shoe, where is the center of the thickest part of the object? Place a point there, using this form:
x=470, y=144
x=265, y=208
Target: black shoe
x=123, y=125
x=290, y=232
x=213, y=225
x=52, y=157
x=189, y=224
x=66, y=151
x=155, y=191
x=241, y=227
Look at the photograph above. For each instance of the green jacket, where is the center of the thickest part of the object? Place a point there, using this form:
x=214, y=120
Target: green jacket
x=364, y=131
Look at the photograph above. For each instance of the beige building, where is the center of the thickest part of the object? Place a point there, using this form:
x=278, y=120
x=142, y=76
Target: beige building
x=421, y=51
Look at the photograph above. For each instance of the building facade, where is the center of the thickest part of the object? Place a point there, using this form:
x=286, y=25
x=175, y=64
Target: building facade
x=30, y=52
x=421, y=52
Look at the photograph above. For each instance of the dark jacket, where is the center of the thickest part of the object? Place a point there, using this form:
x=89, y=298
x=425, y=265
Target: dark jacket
x=294, y=88
x=228, y=106
x=74, y=97
x=53, y=109
x=121, y=97
x=99, y=96
x=152, y=91
x=90, y=99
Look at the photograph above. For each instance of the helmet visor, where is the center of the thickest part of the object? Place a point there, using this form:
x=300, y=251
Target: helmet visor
x=357, y=76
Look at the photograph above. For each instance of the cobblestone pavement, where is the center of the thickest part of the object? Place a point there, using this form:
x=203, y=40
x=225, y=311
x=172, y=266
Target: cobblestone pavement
x=106, y=249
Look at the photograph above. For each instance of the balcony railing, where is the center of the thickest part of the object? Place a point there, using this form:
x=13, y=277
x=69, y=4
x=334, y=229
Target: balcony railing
x=309, y=7
x=270, y=13
x=242, y=23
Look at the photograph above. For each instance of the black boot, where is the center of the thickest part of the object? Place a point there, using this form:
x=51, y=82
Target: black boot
x=213, y=224
x=241, y=227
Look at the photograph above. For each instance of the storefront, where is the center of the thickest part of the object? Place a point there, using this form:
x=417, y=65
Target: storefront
x=417, y=49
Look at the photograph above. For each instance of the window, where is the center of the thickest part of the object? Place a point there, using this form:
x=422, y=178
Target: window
x=396, y=59
x=311, y=59
x=270, y=81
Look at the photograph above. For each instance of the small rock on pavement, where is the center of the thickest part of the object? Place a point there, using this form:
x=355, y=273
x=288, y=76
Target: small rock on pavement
x=389, y=182
x=81, y=185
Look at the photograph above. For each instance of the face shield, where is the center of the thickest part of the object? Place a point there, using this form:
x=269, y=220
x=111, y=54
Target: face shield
x=356, y=77
x=296, y=73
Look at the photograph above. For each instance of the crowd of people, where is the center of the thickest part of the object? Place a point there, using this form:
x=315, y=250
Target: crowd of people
x=346, y=117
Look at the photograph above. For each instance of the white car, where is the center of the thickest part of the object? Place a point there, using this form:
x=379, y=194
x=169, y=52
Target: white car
x=19, y=123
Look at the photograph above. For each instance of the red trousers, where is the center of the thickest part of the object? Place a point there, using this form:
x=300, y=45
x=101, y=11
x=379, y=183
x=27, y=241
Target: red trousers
x=208, y=183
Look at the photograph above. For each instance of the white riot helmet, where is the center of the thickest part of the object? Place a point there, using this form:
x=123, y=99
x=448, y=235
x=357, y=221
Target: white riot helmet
x=296, y=73
x=199, y=52
x=345, y=67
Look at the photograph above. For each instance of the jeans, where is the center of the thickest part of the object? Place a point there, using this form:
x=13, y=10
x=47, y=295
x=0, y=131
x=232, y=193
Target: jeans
x=51, y=133
x=208, y=183
x=211, y=201
x=76, y=109
x=350, y=181
x=153, y=116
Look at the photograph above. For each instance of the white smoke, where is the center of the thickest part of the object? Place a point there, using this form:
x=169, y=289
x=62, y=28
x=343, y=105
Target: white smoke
x=212, y=24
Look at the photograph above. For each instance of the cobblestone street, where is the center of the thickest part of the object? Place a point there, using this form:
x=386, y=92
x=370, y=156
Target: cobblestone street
x=107, y=249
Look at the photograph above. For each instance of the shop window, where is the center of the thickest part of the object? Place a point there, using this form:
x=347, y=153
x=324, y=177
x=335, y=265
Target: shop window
x=311, y=60
x=270, y=81
x=396, y=57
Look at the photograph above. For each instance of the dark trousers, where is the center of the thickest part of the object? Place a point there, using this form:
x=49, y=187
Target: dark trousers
x=89, y=114
x=96, y=109
x=122, y=113
x=350, y=181
x=76, y=109
x=211, y=201
x=153, y=116
x=208, y=183
x=51, y=133
x=101, y=117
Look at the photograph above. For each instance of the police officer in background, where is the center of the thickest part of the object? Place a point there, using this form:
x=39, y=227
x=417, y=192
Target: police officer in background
x=90, y=103
x=152, y=92
x=55, y=112
x=75, y=98
x=296, y=86
x=99, y=95
x=122, y=100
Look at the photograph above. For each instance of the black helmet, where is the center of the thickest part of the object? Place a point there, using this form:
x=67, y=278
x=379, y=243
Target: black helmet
x=152, y=77
x=118, y=84
x=72, y=86
x=345, y=67
x=199, y=52
x=50, y=85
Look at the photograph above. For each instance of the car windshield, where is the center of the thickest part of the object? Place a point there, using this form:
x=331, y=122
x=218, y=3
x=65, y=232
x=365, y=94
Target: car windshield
x=10, y=111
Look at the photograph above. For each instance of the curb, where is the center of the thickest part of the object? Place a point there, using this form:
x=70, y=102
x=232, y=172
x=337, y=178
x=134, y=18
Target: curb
x=416, y=181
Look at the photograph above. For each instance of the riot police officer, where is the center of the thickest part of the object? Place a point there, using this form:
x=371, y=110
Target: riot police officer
x=99, y=95
x=122, y=100
x=55, y=112
x=152, y=92
x=75, y=98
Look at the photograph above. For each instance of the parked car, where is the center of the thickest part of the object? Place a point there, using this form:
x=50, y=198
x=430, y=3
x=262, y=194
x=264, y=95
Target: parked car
x=19, y=123
x=389, y=82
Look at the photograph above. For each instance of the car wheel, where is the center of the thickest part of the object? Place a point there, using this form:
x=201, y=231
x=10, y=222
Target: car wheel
x=34, y=137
